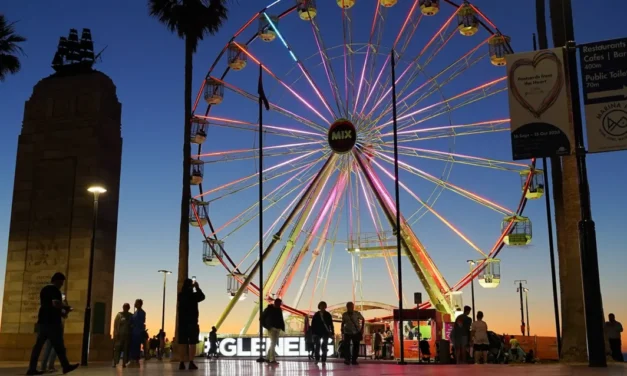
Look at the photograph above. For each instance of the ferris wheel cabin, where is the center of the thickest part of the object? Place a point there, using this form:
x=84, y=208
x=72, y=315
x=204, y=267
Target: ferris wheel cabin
x=490, y=276
x=214, y=91
x=233, y=284
x=236, y=57
x=429, y=7
x=267, y=31
x=197, y=168
x=520, y=233
x=388, y=3
x=468, y=23
x=536, y=185
x=306, y=9
x=199, y=131
x=212, y=251
x=198, y=213
x=346, y=4
x=498, y=49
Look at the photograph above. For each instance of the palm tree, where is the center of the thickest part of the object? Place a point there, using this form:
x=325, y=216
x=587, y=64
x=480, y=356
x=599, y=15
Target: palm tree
x=9, y=49
x=191, y=20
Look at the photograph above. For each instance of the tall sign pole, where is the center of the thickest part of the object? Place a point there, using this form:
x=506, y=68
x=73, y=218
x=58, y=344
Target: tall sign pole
x=522, y=307
x=398, y=214
x=263, y=101
x=593, y=302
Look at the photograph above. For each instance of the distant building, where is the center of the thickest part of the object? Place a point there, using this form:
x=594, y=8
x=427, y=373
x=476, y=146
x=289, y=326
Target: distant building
x=70, y=139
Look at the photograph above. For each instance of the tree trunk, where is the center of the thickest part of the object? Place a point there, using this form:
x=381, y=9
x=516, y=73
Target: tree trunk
x=186, y=193
x=567, y=216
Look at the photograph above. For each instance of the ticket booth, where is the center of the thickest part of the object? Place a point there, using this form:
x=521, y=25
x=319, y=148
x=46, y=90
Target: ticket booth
x=418, y=325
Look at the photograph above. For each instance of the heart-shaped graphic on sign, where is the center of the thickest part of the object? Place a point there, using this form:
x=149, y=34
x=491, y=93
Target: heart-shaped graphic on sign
x=549, y=99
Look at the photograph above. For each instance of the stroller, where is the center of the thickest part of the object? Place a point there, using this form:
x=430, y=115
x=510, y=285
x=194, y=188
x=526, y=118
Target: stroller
x=497, y=353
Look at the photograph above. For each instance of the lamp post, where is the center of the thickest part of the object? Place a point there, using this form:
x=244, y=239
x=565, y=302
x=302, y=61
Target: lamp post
x=165, y=275
x=472, y=263
x=96, y=190
x=526, y=290
x=522, y=311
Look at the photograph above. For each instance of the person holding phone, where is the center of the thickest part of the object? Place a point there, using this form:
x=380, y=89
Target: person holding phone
x=188, y=330
x=353, y=331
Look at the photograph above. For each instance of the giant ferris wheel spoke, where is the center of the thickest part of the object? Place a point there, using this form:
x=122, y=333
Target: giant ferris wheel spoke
x=283, y=131
x=377, y=27
x=431, y=133
x=269, y=151
x=439, y=40
x=433, y=86
x=401, y=33
x=286, y=86
x=445, y=106
x=276, y=108
x=328, y=68
x=450, y=186
x=459, y=158
x=301, y=66
x=435, y=213
x=347, y=35
x=237, y=185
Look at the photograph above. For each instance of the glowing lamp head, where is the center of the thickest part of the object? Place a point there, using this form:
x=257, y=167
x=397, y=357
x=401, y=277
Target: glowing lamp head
x=96, y=189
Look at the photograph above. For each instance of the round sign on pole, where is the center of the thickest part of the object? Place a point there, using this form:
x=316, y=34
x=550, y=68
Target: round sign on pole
x=342, y=136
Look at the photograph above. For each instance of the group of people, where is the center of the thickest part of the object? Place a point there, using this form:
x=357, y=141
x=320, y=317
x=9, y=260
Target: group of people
x=465, y=333
x=129, y=333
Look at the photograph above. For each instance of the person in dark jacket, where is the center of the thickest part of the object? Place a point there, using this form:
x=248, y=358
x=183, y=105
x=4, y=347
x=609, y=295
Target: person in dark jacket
x=322, y=329
x=273, y=321
x=213, y=342
x=188, y=330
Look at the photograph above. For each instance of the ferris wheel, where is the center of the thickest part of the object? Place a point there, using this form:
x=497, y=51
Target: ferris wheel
x=328, y=146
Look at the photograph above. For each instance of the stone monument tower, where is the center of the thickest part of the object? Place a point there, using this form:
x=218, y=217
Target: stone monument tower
x=70, y=140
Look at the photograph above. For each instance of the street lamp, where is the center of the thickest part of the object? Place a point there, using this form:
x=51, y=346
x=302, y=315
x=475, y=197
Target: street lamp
x=472, y=263
x=96, y=190
x=165, y=275
x=526, y=291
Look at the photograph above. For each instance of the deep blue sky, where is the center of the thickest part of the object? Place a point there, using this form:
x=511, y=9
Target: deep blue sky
x=146, y=63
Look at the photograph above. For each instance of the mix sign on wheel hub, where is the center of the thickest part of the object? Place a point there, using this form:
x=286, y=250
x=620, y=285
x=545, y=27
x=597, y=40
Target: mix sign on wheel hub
x=342, y=136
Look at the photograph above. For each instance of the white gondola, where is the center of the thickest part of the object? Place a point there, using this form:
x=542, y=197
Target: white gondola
x=499, y=47
x=490, y=276
x=429, y=7
x=267, y=32
x=520, y=233
x=233, y=284
x=198, y=213
x=214, y=91
x=536, y=185
x=236, y=57
x=199, y=130
x=306, y=9
x=467, y=21
x=197, y=168
x=212, y=251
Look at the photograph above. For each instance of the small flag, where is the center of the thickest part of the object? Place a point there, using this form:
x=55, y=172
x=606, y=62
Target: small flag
x=262, y=94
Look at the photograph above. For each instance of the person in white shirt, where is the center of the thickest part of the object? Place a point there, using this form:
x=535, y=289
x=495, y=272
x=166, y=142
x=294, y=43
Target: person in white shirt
x=613, y=329
x=479, y=335
x=353, y=331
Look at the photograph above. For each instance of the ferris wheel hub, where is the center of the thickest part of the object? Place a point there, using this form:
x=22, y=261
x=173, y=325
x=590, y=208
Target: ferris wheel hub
x=342, y=136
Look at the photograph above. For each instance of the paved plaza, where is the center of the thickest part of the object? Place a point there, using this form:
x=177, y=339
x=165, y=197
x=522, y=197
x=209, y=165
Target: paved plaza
x=249, y=368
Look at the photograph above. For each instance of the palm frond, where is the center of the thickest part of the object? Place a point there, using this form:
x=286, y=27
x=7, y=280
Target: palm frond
x=9, y=64
x=9, y=48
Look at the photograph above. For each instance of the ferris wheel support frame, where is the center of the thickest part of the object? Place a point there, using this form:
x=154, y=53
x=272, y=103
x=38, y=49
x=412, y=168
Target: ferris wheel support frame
x=275, y=239
x=427, y=272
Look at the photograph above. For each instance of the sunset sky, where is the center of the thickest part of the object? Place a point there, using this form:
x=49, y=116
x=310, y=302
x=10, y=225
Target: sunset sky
x=146, y=63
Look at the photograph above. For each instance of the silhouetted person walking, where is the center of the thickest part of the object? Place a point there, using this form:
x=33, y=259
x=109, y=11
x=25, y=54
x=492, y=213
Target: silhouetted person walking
x=353, y=331
x=322, y=329
x=50, y=325
x=138, y=332
x=122, y=335
x=188, y=330
x=272, y=319
x=213, y=342
x=613, y=329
